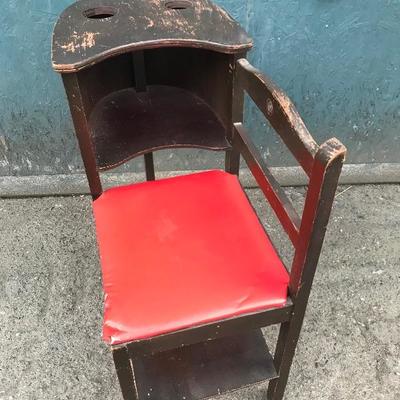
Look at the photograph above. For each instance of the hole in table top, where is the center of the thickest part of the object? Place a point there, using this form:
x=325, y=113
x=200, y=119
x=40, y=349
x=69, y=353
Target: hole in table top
x=101, y=12
x=178, y=4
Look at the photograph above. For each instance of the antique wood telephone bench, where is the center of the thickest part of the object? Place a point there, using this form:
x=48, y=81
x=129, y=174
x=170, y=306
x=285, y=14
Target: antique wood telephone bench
x=189, y=274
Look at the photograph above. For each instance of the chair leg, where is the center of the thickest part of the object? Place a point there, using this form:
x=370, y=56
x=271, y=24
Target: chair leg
x=125, y=373
x=149, y=166
x=232, y=161
x=285, y=349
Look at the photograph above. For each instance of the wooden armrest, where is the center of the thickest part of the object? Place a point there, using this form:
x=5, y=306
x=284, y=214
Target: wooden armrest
x=321, y=163
x=273, y=192
x=280, y=112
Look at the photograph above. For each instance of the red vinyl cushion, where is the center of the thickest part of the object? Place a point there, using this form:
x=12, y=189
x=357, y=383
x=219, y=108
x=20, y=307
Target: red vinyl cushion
x=181, y=252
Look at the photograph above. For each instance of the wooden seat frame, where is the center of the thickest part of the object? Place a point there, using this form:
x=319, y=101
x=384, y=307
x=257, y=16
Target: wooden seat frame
x=321, y=163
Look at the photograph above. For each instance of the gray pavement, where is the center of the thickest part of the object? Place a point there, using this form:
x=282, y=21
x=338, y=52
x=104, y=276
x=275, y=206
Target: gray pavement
x=51, y=302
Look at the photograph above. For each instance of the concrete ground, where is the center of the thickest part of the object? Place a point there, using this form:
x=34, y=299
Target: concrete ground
x=51, y=302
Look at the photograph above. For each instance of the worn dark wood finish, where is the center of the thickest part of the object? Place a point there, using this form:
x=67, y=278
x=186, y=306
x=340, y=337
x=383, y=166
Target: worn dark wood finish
x=325, y=174
x=212, y=330
x=275, y=195
x=126, y=124
x=141, y=86
x=139, y=70
x=114, y=74
x=321, y=192
x=81, y=40
x=207, y=74
x=232, y=156
x=123, y=367
x=205, y=369
x=78, y=107
x=280, y=112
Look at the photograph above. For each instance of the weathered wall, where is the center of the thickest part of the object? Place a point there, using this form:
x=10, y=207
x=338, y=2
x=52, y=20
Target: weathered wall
x=337, y=59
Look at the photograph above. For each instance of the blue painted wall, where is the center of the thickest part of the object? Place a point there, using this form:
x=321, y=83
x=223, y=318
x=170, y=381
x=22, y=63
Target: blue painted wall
x=339, y=60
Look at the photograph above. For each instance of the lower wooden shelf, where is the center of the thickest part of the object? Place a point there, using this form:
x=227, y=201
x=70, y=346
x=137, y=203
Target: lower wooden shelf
x=205, y=369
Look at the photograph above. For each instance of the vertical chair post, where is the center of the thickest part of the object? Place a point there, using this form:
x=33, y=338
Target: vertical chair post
x=139, y=68
x=232, y=156
x=125, y=373
x=78, y=107
x=320, y=195
x=149, y=166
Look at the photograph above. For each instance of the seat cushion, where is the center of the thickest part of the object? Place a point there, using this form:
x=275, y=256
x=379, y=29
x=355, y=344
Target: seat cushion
x=181, y=252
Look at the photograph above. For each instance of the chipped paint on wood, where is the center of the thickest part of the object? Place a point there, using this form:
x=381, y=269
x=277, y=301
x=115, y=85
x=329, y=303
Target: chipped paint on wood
x=141, y=25
x=84, y=41
x=282, y=114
